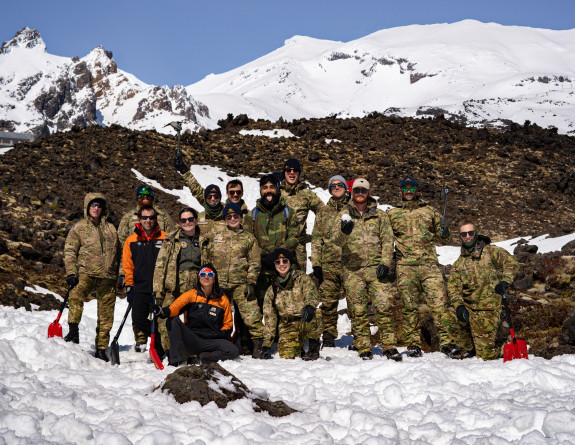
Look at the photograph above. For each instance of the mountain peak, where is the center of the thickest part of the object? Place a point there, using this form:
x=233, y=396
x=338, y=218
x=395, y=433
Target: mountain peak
x=26, y=38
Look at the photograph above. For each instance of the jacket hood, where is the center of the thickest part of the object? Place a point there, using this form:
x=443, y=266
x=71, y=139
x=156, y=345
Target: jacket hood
x=91, y=197
x=371, y=208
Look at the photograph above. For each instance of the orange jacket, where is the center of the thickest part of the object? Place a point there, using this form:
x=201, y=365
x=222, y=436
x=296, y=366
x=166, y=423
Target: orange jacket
x=139, y=258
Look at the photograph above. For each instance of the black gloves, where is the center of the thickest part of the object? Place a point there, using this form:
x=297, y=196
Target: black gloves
x=308, y=313
x=72, y=280
x=121, y=282
x=266, y=353
x=462, y=314
x=179, y=164
x=159, y=311
x=382, y=272
x=129, y=294
x=347, y=226
x=318, y=274
x=501, y=287
x=268, y=260
x=443, y=224
x=250, y=292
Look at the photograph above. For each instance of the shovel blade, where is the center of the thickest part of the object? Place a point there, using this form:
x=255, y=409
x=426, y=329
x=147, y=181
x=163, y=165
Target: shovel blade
x=154, y=355
x=514, y=350
x=55, y=330
x=115, y=353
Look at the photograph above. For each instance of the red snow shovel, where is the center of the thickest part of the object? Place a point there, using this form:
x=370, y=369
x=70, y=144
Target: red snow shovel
x=515, y=348
x=153, y=354
x=55, y=328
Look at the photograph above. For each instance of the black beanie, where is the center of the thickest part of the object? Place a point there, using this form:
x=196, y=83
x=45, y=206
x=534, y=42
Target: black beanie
x=212, y=188
x=283, y=253
x=269, y=178
x=293, y=163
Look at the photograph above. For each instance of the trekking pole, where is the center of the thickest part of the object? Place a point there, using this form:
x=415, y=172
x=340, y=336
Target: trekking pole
x=444, y=193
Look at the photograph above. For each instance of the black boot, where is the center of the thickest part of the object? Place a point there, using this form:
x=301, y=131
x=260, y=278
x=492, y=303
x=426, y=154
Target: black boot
x=393, y=354
x=414, y=351
x=257, y=351
x=312, y=352
x=328, y=340
x=101, y=354
x=140, y=347
x=451, y=350
x=367, y=355
x=73, y=334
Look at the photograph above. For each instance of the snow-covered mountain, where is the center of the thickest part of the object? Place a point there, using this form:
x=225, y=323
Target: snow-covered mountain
x=482, y=72
x=44, y=93
x=478, y=73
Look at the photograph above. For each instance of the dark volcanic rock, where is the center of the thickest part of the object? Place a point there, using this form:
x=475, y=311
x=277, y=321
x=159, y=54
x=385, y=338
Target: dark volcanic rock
x=212, y=383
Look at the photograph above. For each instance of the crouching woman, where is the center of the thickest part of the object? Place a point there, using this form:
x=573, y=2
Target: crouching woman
x=207, y=324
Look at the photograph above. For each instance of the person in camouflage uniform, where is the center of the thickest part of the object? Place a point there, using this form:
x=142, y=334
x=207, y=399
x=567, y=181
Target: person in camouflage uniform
x=177, y=265
x=91, y=256
x=326, y=256
x=290, y=308
x=478, y=279
x=145, y=197
x=301, y=199
x=274, y=225
x=366, y=240
x=236, y=255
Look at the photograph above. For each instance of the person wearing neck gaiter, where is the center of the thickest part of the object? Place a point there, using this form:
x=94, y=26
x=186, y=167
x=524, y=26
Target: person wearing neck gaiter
x=478, y=279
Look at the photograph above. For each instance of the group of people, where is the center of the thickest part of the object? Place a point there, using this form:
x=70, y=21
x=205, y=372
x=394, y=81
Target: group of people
x=238, y=276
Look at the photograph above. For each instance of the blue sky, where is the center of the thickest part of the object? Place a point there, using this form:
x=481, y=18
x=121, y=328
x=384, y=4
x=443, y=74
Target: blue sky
x=179, y=42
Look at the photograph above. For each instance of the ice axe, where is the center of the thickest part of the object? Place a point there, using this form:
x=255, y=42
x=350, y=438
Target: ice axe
x=515, y=348
x=176, y=125
x=114, y=347
x=55, y=328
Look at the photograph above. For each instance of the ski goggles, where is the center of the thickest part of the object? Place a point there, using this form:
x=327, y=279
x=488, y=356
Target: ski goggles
x=337, y=185
x=207, y=272
x=409, y=189
x=144, y=191
x=464, y=234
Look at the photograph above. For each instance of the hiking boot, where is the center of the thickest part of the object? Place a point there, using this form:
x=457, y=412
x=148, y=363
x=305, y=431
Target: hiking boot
x=140, y=347
x=257, y=351
x=393, y=354
x=328, y=340
x=451, y=350
x=101, y=354
x=414, y=351
x=465, y=354
x=367, y=355
x=312, y=352
x=73, y=334
x=352, y=348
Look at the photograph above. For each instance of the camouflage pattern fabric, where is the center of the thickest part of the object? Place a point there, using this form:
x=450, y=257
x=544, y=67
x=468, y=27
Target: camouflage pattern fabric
x=104, y=290
x=330, y=292
x=282, y=311
x=301, y=199
x=91, y=249
x=472, y=282
x=249, y=310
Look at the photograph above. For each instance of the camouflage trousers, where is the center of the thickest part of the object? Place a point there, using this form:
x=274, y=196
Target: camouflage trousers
x=294, y=333
x=301, y=257
x=249, y=310
x=330, y=291
x=104, y=290
x=480, y=333
x=423, y=285
x=361, y=287
x=187, y=280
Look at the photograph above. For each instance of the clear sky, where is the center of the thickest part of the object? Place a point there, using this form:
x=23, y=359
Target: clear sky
x=179, y=42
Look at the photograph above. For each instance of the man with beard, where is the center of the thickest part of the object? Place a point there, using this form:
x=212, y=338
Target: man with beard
x=274, y=225
x=366, y=240
x=326, y=256
x=301, y=199
x=419, y=280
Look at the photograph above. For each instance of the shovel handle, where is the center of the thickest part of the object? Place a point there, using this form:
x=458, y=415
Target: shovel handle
x=508, y=315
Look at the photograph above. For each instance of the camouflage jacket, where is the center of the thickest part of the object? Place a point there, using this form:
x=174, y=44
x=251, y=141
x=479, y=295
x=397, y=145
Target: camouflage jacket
x=273, y=229
x=415, y=226
x=129, y=221
x=371, y=240
x=92, y=249
x=166, y=269
x=286, y=302
x=475, y=274
x=301, y=199
x=234, y=253
x=324, y=251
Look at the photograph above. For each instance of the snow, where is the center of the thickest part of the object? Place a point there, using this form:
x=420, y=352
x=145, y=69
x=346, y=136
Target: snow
x=278, y=133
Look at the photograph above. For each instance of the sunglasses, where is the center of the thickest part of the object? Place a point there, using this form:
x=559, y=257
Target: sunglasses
x=359, y=190
x=152, y=217
x=143, y=195
x=185, y=220
x=212, y=196
x=97, y=204
x=464, y=234
x=207, y=274
x=235, y=192
x=291, y=170
x=232, y=216
x=281, y=261
x=337, y=185
x=408, y=189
